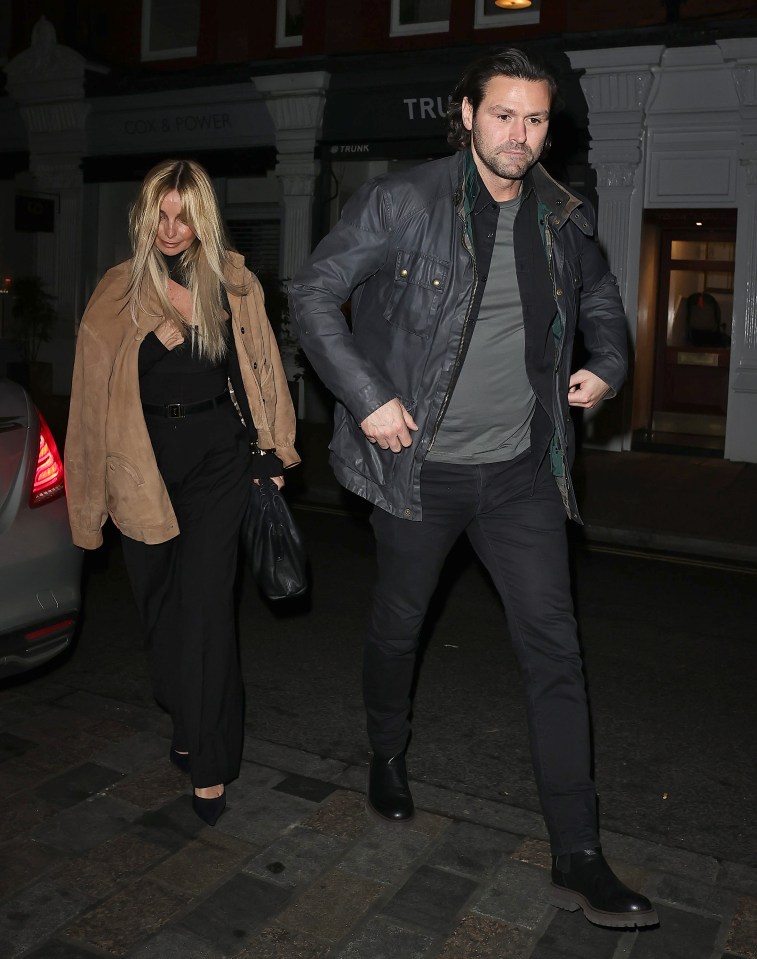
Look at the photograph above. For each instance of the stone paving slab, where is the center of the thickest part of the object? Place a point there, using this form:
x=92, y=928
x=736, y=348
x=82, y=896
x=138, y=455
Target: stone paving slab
x=296, y=858
x=102, y=856
x=35, y=914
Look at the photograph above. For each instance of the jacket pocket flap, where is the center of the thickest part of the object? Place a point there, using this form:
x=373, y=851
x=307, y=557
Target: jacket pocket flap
x=421, y=270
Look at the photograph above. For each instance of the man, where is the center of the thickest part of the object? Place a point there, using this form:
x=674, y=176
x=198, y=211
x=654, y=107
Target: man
x=468, y=276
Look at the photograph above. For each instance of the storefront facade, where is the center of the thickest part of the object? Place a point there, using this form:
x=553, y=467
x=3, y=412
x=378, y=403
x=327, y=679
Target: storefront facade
x=672, y=150
x=86, y=157
x=674, y=143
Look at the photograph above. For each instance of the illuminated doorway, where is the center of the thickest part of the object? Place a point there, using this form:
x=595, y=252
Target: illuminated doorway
x=689, y=346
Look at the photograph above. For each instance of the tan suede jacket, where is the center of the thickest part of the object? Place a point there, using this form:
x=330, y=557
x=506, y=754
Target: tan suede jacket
x=110, y=466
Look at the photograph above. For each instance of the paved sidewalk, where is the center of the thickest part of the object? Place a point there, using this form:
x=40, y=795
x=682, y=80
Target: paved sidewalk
x=102, y=856
x=684, y=504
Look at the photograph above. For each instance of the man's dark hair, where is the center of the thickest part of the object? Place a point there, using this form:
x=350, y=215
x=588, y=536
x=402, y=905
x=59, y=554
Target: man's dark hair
x=505, y=63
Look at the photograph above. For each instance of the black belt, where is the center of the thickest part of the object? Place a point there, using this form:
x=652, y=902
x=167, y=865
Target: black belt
x=177, y=411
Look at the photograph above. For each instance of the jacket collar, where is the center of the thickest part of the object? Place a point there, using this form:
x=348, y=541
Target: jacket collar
x=150, y=313
x=559, y=202
x=234, y=267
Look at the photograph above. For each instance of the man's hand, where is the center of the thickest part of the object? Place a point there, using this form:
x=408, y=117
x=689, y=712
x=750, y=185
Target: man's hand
x=389, y=426
x=586, y=389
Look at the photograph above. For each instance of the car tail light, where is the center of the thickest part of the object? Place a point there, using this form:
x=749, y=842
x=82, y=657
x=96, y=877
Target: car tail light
x=48, y=476
x=52, y=629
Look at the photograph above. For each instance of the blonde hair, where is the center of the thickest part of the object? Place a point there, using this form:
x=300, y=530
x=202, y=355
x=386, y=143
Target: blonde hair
x=202, y=263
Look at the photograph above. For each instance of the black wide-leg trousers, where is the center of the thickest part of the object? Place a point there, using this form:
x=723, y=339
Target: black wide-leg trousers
x=184, y=588
x=517, y=528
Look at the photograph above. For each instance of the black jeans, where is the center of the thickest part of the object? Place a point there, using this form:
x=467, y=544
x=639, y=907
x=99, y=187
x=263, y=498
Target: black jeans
x=517, y=528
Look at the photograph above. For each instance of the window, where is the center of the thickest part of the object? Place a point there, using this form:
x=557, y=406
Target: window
x=419, y=16
x=258, y=242
x=290, y=15
x=489, y=15
x=170, y=29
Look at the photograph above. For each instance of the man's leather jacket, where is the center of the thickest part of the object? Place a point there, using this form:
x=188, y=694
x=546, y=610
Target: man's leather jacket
x=403, y=251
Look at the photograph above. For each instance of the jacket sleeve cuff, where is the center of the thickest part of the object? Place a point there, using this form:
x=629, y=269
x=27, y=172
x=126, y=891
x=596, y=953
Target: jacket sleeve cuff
x=264, y=467
x=87, y=538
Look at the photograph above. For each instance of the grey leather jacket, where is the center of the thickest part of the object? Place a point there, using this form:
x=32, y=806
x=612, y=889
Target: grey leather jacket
x=403, y=251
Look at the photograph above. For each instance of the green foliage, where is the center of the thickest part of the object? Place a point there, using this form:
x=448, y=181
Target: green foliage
x=33, y=316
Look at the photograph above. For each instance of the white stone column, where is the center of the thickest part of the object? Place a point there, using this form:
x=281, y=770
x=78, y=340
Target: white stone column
x=616, y=84
x=47, y=83
x=296, y=102
x=741, y=425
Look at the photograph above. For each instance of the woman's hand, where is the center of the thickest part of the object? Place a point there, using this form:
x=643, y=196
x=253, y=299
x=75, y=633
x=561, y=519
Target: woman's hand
x=278, y=480
x=169, y=334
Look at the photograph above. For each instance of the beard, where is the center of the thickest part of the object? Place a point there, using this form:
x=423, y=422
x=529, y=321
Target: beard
x=499, y=161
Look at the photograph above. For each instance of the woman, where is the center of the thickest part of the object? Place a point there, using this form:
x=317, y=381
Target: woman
x=156, y=442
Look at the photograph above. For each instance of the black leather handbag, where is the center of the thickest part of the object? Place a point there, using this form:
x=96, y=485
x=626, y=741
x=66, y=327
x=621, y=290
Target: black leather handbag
x=273, y=544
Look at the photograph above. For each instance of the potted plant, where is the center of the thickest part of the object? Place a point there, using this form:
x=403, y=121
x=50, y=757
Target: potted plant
x=32, y=322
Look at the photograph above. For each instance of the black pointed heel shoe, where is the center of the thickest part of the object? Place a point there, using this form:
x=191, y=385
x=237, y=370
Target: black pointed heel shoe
x=180, y=760
x=209, y=810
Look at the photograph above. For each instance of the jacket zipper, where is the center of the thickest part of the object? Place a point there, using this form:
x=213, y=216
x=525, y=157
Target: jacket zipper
x=550, y=257
x=561, y=341
x=561, y=444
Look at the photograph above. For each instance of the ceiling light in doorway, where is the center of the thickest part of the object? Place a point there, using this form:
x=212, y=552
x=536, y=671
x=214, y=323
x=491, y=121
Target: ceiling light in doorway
x=698, y=223
x=512, y=4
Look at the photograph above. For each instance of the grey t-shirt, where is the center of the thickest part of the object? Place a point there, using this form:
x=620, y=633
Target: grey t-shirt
x=488, y=419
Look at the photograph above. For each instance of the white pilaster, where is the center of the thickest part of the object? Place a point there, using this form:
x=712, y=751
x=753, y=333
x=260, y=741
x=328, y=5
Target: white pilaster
x=741, y=430
x=296, y=102
x=617, y=84
x=47, y=83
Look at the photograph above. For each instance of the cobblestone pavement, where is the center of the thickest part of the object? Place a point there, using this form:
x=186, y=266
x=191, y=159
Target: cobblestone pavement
x=102, y=856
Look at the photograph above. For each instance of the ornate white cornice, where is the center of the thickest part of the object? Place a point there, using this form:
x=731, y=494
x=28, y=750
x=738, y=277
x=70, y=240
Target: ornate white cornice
x=303, y=113
x=617, y=92
x=617, y=86
x=46, y=70
x=296, y=101
x=615, y=175
x=617, y=81
x=47, y=83
x=56, y=116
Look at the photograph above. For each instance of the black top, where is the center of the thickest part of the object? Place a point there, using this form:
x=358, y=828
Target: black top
x=181, y=375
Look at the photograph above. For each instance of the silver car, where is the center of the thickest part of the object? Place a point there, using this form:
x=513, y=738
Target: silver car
x=40, y=568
